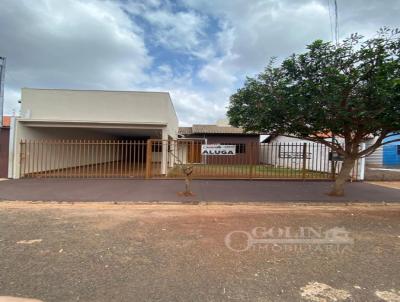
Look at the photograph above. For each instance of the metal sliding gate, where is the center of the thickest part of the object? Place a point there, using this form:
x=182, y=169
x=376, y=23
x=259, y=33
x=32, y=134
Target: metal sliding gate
x=82, y=159
x=165, y=159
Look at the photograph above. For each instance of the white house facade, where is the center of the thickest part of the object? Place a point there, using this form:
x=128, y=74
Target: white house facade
x=59, y=115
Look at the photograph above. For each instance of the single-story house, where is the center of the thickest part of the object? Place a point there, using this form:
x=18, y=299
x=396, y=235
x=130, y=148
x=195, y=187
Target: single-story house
x=65, y=130
x=386, y=156
x=4, y=146
x=288, y=152
x=246, y=145
x=391, y=152
x=384, y=163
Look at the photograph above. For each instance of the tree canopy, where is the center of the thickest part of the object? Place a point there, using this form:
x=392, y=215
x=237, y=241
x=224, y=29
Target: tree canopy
x=350, y=90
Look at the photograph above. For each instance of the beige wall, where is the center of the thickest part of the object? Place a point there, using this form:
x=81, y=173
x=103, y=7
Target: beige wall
x=41, y=109
x=50, y=157
x=127, y=107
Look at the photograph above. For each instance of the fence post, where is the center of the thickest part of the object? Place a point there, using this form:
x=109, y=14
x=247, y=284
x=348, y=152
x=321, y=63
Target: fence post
x=22, y=158
x=148, y=158
x=304, y=160
x=251, y=160
x=333, y=166
x=192, y=152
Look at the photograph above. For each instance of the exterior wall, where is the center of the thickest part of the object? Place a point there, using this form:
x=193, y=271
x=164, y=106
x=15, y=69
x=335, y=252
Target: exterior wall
x=317, y=155
x=99, y=106
x=4, y=146
x=42, y=133
x=250, y=156
x=287, y=152
x=375, y=159
x=41, y=108
x=391, y=156
x=384, y=156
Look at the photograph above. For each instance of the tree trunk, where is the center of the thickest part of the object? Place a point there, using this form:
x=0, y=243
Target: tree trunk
x=188, y=190
x=344, y=175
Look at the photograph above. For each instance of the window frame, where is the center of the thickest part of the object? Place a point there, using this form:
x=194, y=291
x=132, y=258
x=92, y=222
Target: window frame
x=240, y=148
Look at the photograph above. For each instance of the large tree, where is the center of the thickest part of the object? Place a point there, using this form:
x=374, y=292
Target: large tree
x=349, y=91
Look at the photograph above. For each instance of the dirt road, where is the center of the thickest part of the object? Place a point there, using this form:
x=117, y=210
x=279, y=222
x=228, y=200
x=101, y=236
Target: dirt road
x=106, y=252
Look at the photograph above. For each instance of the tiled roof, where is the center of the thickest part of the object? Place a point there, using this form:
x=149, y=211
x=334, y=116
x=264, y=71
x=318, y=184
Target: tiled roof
x=185, y=130
x=214, y=129
x=6, y=121
x=210, y=129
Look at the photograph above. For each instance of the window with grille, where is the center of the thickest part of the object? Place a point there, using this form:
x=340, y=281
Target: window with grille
x=240, y=148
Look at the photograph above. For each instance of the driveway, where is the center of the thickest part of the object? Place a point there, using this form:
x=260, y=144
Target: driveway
x=104, y=252
x=205, y=190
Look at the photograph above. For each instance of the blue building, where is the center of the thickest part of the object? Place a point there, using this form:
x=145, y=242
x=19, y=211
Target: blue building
x=391, y=152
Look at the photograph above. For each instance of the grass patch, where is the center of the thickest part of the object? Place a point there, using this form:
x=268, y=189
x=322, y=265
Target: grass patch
x=246, y=171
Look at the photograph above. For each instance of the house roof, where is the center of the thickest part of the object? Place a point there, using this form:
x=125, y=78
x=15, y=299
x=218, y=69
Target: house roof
x=211, y=129
x=185, y=130
x=214, y=129
x=6, y=121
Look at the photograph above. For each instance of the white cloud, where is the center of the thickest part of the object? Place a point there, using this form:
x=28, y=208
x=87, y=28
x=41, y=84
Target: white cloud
x=215, y=74
x=193, y=105
x=104, y=44
x=181, y=31
x=71, y=44
x=255, y=31
x=196, y=107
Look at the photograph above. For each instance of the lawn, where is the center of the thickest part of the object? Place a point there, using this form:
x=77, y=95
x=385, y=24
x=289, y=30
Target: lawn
x=246, y=171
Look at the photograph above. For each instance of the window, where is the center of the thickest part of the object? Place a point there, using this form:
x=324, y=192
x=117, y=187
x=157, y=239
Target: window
x=240, y=148
x=398, y=149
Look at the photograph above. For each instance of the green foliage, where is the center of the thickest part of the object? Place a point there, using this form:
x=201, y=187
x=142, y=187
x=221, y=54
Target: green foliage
x=351, y=90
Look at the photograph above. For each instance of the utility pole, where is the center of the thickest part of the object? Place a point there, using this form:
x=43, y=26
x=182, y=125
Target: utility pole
x=336, y=23
x=334, y=27
x=2, y=78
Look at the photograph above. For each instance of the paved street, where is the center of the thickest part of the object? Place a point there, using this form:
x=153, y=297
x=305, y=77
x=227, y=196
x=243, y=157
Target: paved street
x=231, y=191
x=106, y=252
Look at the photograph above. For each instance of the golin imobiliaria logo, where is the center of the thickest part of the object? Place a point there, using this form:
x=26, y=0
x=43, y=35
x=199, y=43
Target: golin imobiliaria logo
x=289, y=239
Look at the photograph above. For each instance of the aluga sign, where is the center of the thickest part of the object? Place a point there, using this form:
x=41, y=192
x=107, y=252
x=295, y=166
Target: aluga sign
x=218, y=149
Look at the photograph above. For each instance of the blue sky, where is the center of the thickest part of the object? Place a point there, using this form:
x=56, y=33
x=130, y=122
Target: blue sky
x=198, y=50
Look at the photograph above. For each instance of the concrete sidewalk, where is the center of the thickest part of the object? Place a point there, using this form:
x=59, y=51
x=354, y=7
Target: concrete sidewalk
x=205, y=190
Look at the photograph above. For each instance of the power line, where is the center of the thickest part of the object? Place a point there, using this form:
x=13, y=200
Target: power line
x=330, y=18
x=336, y=23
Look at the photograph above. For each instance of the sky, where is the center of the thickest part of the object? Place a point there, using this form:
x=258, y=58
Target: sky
x=200, y=51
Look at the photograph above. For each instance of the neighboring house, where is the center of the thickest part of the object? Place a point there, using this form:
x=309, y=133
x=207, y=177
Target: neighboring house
x=375, y=159
x=64, y=115
x=387, y=156
x=384, y=163
x=4, y=146
x=246, y=144
x=289, y=152
x=391, y=152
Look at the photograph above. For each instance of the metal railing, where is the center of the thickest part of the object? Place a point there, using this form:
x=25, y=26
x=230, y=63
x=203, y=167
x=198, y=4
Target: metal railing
x=166, y=158
x=256, y=160
x=82, y=158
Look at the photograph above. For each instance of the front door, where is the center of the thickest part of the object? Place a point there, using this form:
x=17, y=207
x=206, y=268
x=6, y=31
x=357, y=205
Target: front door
x=194, y=152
